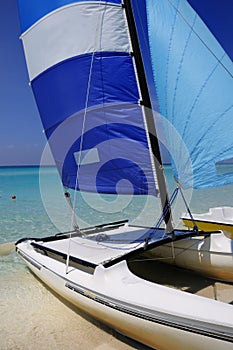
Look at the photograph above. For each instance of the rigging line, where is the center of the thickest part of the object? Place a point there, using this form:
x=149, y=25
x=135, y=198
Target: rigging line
x=172, y=199
x=98, y=33
x=98, y=22
x=195, y=227
x=137, y=245
x=208, y=48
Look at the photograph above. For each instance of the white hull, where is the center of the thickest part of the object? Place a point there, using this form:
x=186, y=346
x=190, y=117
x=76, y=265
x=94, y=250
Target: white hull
x=211, y=256
x=219, y=218
x=158, y=316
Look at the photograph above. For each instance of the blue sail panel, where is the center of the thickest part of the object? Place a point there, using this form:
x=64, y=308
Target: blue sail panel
x=62, y=90
x=84, y=82
x=111, y=116
x=193, y=78
x=114, y=156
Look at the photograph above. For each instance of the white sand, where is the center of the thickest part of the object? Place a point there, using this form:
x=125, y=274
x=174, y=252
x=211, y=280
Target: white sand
x=31, y=317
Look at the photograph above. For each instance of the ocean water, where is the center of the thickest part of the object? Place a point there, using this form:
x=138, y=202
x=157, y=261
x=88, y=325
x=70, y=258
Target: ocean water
x=30, y=315
x=40, y=208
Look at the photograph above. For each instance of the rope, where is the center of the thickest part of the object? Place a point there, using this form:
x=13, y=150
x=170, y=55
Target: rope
x=73, y=219
x=98, y=32
x=195, y=227
x=207, y=47
x=168, y=206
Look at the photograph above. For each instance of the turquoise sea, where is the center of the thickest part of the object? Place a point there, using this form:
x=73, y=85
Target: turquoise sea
x=31, y=316
x=40, y=207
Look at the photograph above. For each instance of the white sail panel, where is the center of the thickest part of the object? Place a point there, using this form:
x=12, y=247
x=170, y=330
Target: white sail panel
x=72, y=30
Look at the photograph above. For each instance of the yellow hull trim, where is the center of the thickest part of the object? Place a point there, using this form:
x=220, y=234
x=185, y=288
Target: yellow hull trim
x=210, y=226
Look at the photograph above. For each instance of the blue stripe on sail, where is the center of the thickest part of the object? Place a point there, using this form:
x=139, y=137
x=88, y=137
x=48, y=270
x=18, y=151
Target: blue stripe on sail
x=193, y=78
x=62, y=90
x=114, y=123
x=31, y=11
x=123, y=162
x=123, y=155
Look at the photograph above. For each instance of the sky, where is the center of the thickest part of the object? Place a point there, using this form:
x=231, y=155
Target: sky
x=21, y=133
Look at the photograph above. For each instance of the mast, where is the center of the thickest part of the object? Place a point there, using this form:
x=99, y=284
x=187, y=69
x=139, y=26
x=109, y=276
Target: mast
x=149, y=117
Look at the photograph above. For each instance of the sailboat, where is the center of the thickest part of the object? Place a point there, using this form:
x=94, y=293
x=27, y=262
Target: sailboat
x=91, y=79
x=208, y=255
x=201, y=148
x=220, y=218
x=211, y=255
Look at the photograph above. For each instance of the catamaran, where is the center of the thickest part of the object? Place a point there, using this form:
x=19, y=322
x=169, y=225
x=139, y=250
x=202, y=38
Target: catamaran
x=218, y=218
x=98, y=69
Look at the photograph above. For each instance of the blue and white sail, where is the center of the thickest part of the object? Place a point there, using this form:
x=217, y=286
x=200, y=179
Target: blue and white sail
x=81, y=70
x=194, y=85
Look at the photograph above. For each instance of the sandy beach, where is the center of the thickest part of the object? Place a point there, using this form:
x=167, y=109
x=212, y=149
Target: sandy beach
x=32, y=317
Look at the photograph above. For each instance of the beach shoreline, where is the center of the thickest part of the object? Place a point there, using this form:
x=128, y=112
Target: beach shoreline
x=32, y=316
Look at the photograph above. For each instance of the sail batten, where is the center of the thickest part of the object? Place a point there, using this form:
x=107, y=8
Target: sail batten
x=193, y=78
